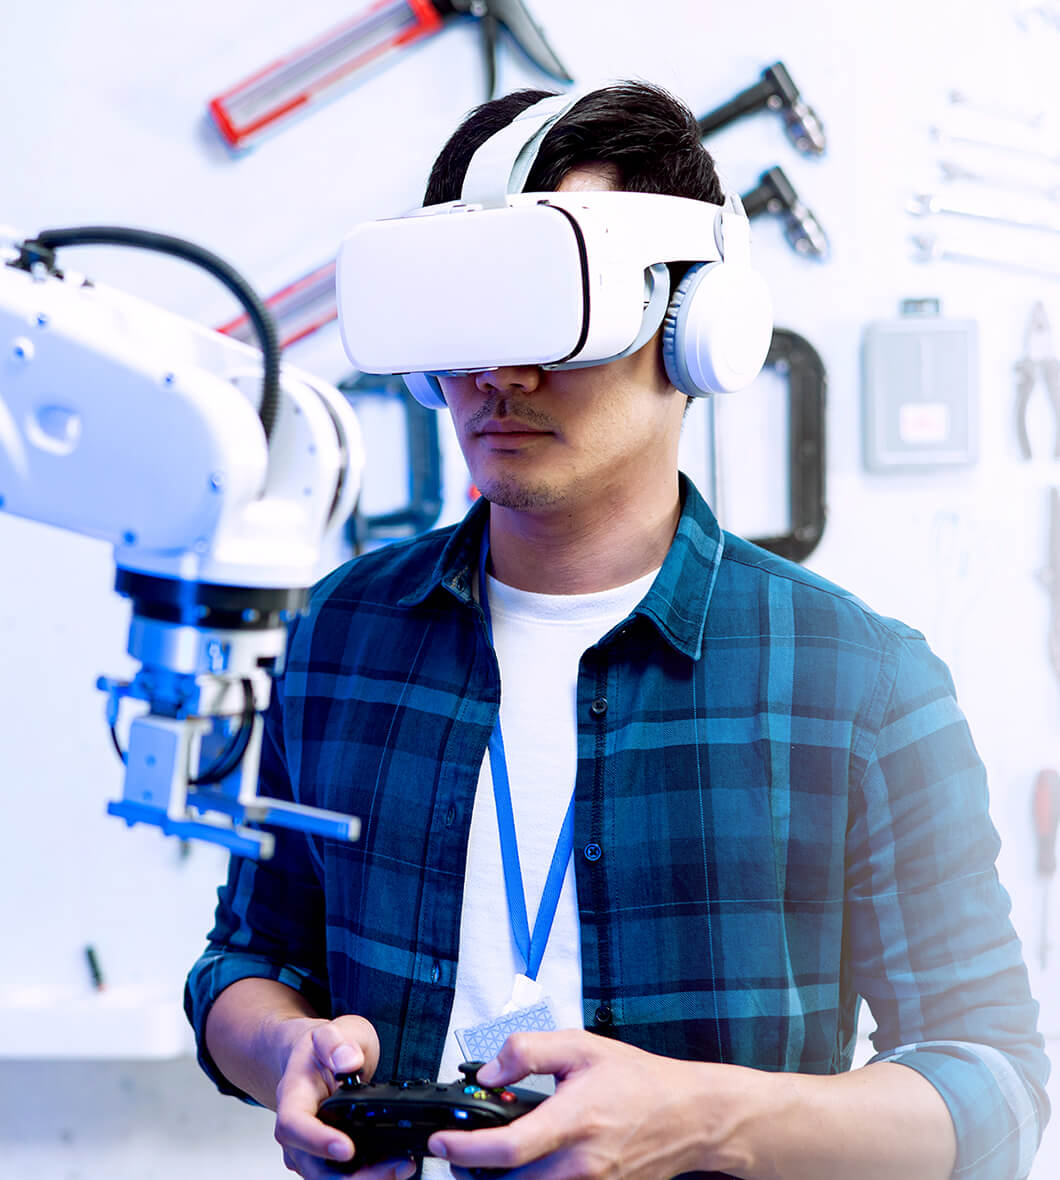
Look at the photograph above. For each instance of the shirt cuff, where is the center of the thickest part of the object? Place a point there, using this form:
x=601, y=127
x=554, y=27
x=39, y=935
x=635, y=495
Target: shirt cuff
x=994, y=1116
x=217, y=969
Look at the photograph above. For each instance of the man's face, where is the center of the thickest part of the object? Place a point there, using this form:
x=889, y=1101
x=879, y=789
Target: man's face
x=545, y=439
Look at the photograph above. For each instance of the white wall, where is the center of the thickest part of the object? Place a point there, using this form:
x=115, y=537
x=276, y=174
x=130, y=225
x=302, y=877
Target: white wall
x=103, y=121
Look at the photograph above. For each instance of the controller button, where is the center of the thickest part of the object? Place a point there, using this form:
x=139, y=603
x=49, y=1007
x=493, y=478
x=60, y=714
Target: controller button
x=508, y=1096
x=479, y=1094
x=470, y=1089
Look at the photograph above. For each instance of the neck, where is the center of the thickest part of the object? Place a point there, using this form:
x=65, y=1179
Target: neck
x=563, y=551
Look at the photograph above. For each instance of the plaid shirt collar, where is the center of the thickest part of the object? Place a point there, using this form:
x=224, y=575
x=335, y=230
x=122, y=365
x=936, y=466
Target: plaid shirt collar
x=679, y=597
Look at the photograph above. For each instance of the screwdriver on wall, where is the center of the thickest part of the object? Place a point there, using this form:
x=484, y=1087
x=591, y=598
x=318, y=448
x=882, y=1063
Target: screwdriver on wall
x=1045, y=809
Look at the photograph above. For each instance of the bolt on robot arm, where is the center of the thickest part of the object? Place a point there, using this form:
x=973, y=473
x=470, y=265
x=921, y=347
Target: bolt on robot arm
x=122, y=421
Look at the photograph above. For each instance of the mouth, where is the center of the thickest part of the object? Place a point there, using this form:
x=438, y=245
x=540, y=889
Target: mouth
x=509, y=426
x=502, y=432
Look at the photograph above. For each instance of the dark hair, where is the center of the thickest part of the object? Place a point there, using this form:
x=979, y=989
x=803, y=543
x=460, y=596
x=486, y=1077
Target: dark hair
x=650, y=137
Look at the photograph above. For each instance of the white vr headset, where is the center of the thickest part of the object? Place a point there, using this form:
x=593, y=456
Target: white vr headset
x=556, y=280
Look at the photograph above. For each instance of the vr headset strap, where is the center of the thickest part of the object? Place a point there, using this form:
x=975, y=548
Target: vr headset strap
x=502, y=164
x=732, y=232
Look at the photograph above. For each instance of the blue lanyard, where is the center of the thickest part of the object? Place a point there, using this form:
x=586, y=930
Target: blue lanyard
x=531, y=947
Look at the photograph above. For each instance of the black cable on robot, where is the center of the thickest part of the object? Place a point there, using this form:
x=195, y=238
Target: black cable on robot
x=41, y=249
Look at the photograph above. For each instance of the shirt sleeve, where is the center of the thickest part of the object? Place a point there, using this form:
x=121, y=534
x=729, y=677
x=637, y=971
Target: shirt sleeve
x=269, y=922
x=932, y=948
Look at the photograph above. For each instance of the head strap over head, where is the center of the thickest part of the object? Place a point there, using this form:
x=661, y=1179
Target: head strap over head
x=732, y=232
x=502, y=164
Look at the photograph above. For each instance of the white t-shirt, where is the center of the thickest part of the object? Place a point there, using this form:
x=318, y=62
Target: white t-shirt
x=539, y=640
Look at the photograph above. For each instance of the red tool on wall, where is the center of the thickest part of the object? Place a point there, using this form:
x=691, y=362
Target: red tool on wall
x=1045, y=812
x=337, y=59
x=299, y=308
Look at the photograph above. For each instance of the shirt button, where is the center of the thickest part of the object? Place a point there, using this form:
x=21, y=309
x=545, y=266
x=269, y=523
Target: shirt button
x=450, y=815
x=599, y=707
x=603, y=1014
x=436, y=973
x=592, y=851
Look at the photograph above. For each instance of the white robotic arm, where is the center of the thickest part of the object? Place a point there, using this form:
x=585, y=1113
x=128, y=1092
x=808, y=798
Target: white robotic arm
x=122, y=421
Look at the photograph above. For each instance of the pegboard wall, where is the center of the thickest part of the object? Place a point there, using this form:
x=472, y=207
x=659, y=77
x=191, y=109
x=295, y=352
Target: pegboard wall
x=105, y=122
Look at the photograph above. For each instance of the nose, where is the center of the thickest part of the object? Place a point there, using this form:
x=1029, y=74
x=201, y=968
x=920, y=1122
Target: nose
x=509, y=378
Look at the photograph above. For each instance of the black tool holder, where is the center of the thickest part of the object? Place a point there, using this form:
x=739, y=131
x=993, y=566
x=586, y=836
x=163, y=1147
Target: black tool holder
x=793, y=357
x=424, y=461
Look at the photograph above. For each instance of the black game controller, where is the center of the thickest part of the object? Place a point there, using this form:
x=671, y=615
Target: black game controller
x=395, y=1120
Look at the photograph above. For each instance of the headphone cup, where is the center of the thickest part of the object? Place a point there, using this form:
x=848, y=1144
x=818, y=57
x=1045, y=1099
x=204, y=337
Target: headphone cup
x=425, y=389
x=673, y=355
x=717, y=329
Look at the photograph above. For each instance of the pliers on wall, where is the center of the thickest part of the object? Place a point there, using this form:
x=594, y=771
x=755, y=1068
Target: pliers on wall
x=1049, y=576
x=1039, y=361
x=523, y=29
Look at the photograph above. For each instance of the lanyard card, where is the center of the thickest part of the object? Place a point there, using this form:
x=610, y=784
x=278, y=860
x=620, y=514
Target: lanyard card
x=527, y=1011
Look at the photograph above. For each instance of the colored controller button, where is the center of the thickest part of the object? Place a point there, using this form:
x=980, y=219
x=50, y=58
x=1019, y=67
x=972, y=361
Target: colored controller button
x=508, y=1096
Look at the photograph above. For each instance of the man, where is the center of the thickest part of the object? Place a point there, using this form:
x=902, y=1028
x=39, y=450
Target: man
x=777, y=809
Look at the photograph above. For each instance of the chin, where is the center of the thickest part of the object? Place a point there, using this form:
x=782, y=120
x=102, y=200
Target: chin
x=520, y=495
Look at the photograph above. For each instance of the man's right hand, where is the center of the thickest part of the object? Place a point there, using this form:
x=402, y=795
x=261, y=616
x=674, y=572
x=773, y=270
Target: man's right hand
x=323, y=1049
x=267, y=1041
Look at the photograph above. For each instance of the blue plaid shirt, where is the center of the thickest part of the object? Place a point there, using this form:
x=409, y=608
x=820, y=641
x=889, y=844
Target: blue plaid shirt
x=779, y=812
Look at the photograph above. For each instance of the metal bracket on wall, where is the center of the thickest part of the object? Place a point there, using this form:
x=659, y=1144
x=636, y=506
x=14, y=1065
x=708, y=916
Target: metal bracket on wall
x=793, y=357
x=424, y=464
x=930, y=248
x=774, y=92
x=775, y=194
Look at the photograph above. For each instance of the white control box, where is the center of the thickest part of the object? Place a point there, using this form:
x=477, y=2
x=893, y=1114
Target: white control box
x=920, y=391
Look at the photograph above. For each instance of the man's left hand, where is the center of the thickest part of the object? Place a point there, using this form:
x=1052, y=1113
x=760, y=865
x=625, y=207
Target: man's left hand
x=617, y=1112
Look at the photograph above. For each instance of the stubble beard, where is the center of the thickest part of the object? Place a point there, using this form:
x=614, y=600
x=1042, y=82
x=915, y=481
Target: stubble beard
x=520, y=496
x=506, y=489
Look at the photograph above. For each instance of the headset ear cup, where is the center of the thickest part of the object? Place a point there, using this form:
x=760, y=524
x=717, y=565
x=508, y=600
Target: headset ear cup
x=673, y=355
x=425, y=389
x=717, y=329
